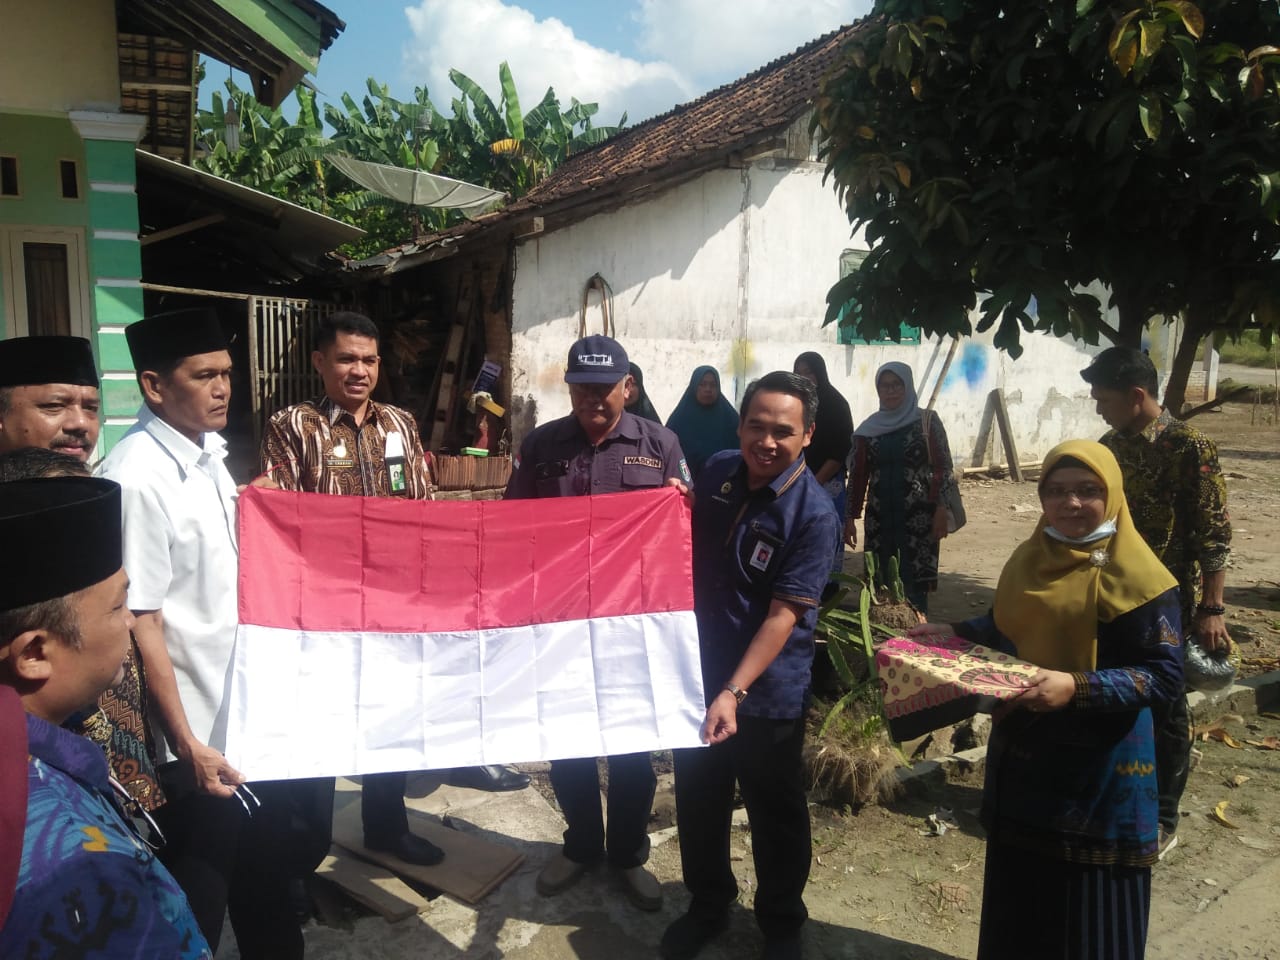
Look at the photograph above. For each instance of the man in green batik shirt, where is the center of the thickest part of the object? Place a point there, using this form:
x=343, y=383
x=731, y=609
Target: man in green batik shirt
x=1178, y=499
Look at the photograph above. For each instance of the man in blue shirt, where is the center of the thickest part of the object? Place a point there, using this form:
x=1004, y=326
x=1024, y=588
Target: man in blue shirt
x=764, y=531
x=87, y=885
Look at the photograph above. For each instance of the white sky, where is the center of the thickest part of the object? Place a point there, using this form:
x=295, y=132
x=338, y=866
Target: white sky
x=669, y=51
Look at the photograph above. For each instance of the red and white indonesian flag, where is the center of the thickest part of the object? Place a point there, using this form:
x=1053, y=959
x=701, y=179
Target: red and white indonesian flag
x=379, y=635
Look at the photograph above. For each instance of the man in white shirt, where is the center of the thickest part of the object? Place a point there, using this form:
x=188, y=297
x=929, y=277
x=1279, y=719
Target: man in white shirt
x=178, y=502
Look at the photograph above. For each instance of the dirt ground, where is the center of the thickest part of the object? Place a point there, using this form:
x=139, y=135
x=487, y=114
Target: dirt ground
x=1002, y=513
x=879, y=872
x=883, y=887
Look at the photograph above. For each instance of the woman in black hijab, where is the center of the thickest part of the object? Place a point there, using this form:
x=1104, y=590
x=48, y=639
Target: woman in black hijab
x=637, y=401
x=828, y=451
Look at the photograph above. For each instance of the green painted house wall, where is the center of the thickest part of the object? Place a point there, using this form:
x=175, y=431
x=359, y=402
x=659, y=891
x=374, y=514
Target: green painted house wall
x=101, y=223
x=60, y=100
x=115, y=268
x=39, y=143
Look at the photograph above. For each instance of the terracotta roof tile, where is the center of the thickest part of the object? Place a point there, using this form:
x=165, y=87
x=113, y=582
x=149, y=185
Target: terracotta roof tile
x=761, y=102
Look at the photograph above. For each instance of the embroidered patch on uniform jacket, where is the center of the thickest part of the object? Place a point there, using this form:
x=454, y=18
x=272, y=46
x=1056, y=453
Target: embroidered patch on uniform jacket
x=642, y=462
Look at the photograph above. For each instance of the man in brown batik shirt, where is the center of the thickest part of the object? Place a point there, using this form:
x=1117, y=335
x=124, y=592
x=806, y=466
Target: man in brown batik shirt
x=346, y=443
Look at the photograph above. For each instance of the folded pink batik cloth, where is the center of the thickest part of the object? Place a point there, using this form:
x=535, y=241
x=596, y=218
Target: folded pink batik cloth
x=936, y=681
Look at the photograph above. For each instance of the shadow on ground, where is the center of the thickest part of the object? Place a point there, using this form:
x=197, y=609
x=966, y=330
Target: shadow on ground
x=823, y=941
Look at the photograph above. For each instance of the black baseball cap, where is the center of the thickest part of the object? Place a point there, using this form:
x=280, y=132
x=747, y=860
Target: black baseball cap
x=596, y=360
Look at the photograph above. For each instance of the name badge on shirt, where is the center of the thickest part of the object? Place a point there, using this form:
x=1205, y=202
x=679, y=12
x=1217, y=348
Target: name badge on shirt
x=340, y=459
x=761, y=555
x=642, y=462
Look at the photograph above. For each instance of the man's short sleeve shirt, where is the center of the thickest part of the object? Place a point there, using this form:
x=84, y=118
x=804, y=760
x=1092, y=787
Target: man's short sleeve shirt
x=1177, y=497
x=751, y=547
x=178, y=505
x=558, y=460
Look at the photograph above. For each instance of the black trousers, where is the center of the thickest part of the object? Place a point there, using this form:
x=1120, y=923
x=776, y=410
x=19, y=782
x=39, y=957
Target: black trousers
x=764, y=757
x=1172, y=723
x=631, y=787
x=228, y=862
x=382, y=807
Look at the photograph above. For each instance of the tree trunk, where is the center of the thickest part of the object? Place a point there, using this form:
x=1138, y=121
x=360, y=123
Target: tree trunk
x=1194, y=331
x=1132, y=320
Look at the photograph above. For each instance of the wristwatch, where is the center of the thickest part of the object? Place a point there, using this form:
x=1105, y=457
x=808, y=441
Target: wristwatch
x=738, y=693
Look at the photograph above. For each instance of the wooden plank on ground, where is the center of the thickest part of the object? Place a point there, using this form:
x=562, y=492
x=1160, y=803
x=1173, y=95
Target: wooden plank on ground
x=942, y=374
x=376, y=887
x=979, y=459
x=448, y=382
x=1006, y=435
x=472, y=866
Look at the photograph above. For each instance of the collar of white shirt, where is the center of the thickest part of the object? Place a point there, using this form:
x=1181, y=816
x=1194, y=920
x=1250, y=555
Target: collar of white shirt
x=186, y=454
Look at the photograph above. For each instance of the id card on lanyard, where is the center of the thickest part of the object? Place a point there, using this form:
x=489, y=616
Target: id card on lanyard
x=394, y=458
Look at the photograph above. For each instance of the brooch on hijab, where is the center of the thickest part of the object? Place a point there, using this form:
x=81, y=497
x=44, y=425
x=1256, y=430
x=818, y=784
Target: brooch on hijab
x=1099, y=558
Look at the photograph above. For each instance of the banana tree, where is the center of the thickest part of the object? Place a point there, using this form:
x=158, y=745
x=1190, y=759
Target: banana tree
x=500, y=146
x=494, y=145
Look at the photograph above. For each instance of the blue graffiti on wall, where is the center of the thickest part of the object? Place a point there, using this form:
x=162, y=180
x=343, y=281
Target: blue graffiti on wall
x=972, y=367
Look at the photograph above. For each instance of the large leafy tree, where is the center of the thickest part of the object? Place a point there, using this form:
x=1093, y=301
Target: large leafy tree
x=1004, y=156
x=495, y=145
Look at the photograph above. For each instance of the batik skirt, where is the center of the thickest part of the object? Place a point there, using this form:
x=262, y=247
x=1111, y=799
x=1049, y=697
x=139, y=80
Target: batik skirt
x=1035, y=906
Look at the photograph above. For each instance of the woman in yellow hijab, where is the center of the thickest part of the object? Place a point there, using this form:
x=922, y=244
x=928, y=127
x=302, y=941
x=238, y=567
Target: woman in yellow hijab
x=1070, y=802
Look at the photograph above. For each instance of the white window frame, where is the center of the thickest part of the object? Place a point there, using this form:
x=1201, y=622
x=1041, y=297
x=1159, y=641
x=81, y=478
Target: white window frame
x=15, y=275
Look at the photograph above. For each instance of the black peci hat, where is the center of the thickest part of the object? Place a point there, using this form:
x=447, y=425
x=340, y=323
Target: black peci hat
x=61, y=534
x=164, y=339
x=25, y=361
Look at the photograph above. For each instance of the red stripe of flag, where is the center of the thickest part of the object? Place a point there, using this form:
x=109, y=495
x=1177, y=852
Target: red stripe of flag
x=319, y=562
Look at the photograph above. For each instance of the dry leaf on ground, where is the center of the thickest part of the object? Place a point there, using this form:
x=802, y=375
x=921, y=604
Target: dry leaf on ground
x=1266, y=743
x=1220, y=814
x=1220, y=734
x=1239, y=780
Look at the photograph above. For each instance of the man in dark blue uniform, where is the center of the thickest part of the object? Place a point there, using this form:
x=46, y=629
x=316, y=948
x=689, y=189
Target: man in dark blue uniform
x=764, y=531
x=600, y=448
